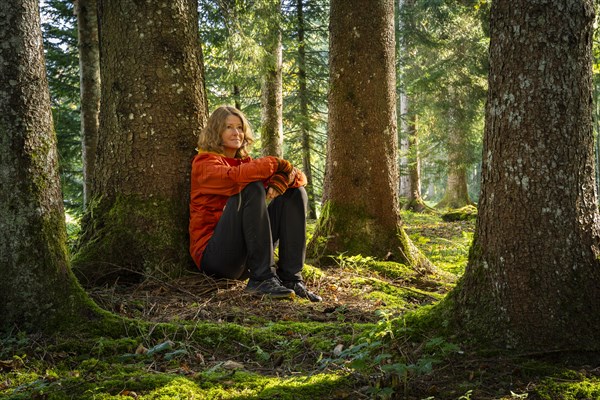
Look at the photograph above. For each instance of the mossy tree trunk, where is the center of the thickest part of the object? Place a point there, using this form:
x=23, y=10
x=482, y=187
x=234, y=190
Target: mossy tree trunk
x=153, y=107
x=532, y=281
x=89, y=70
x=272, y=90
x=37, y=289
x=303, y=95
x=361, y=211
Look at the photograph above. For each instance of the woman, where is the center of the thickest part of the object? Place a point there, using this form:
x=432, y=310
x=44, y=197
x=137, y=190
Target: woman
x=232, y=230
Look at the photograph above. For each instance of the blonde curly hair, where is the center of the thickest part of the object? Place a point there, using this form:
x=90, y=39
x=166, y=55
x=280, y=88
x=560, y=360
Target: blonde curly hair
x=211, y=136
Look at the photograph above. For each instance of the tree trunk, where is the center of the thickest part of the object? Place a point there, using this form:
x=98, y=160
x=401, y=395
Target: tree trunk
x=37, y=289
x=89, y=70
x=456, y=194
x=403, y=104
x=410, y=183
x=415, y=201
x=272, y=91
x=153, y=107
x=532, y=278
x=236, y=96
x=304, y=117
x=361, y=211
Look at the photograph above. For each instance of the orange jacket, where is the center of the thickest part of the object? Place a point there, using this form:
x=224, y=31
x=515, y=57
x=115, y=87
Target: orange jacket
x=215, y=178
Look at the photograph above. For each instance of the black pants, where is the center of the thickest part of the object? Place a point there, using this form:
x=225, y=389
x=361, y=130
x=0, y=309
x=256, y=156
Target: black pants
x=248, y=230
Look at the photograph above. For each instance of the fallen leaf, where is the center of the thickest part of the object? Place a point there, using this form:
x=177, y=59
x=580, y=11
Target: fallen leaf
x=232, y=365
x=338, y=350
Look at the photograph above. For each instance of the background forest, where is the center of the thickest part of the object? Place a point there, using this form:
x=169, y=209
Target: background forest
x=423, y=303
x=442, y=70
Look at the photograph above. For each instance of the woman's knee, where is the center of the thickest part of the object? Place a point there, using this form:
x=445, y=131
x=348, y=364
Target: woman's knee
x=298, y=194
x=254, y=189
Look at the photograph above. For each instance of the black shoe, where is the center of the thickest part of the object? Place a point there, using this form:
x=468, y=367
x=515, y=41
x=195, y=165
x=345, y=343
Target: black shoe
x=269, y=287
x=301, y=291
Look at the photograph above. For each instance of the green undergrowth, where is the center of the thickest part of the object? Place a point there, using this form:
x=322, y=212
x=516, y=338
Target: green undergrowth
x=406, y=351
x=118, y=381
x=460, y=214
x=446, y=244
x=570, y=385
x=168, y=361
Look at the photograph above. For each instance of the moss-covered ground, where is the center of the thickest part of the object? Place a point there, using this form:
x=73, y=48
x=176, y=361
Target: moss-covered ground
x=377, y=334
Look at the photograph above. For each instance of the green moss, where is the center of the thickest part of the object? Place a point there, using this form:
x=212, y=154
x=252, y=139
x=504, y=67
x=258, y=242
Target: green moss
x=445, y=245
x=572, y=387
x=391, y=270
x=468, y=212
x=111, y=369
x=418, y=206
x=425, y=322
x=392, y=296
x=312, y=274
x=129, y=237
x=352, y=230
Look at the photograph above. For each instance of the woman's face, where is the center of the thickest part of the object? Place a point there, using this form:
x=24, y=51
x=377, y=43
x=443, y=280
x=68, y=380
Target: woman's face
x=233, y=135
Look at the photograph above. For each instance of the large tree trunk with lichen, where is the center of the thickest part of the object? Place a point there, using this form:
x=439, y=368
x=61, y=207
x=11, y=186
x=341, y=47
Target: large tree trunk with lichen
x=271, y=131
x=361, y=211
x=37, y=289
x=152, y=110
x=89, y=86
x=532, y=278
x=303, y=95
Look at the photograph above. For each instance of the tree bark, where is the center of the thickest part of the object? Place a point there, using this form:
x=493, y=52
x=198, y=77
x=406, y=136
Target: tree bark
x=456, y=194
x=304, y=117
x=361, y=212
x=89, y=70
x=153, y=107
x=272, y=90
x=37, y=290
x=410, y=162
x=415, y=201
x=403, y=105
x=532, y=278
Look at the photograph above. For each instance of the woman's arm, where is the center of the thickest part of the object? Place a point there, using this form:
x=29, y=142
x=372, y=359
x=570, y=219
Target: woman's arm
x=214, y=176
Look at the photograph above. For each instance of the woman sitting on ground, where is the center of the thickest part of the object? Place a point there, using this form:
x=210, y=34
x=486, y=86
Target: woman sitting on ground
x=232, y=230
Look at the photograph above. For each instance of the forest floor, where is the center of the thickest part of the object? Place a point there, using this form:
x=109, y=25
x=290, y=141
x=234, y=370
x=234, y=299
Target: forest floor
x=207, y=339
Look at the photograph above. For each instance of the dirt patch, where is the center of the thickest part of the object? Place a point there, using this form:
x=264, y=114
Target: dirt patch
x=197, y=297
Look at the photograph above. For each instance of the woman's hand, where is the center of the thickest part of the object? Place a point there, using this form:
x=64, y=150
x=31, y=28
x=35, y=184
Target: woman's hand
x=277, y=185
x=271, y=193
x=292, y=175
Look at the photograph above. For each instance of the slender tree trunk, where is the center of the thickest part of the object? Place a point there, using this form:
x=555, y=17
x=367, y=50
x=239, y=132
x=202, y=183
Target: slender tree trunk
x=456, y=194
x=403, y=104
x=415, y=201
x=405, y=183
x=410, y=182
x=361, y=212
x=304, y=117
x=37, y=289
x=597, y=140
x=89, y=70
x=532, y=278
x=236, y=96
x=272, y=90
x=431, y=193
x=153, y=107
